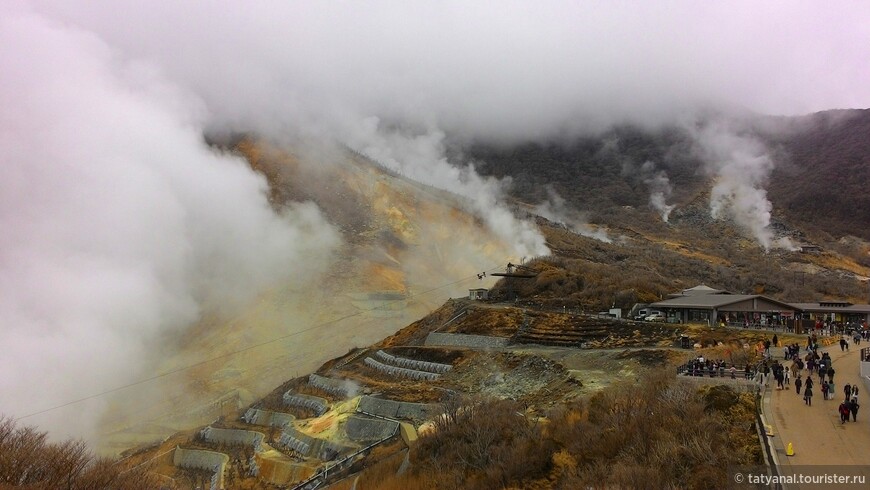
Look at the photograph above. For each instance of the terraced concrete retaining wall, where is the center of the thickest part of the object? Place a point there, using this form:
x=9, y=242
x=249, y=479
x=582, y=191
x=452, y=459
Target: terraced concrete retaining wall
x=296, y=441
x=395, y=410
x=397, y=371
x=403, y=362
x=255, y=416
x=310, y=446
x=315, y=403
x=332, y=386
x=203, y=460
x=234, y=437
x=362, y=429
x=463, y=340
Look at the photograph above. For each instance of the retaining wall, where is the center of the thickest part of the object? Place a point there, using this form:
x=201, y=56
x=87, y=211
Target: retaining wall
x=234, y=437
x=403, y=362
x=203, y=460
x=395, y=410
x=311, y=446
x=332, y=386
x=463, y=340
x=361, y=429
x=403, y=372
x=315, y=403
x=255, y=416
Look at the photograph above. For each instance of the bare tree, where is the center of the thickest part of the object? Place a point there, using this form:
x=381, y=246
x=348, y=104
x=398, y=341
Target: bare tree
x=27, y=459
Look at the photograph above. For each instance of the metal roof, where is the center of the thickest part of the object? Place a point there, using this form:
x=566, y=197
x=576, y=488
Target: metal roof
x=700, y=289
x=709, y=301
x=824, y=307
x=703, y=289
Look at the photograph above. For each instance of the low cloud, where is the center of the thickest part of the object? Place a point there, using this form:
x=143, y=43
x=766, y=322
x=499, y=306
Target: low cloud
x=121, y=227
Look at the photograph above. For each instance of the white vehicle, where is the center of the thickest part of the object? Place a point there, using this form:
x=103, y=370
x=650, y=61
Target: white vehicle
x=655, y=316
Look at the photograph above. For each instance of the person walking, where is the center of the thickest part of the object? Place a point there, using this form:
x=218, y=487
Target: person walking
x=808, y=395
x=824, y=390
x=797, y=384
x=831, y=374
x=848, y=390
x=844, y=410
x=853, y=407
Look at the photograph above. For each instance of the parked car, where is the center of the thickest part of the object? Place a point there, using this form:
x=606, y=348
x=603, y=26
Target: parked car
x=655, y=317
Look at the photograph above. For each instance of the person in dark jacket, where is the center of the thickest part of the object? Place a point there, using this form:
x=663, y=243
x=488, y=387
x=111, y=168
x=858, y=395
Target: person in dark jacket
x=847, y=390
x=843, y=409
x=831, y=374
x=808, y=396
x=853, y=407
x=798, y=383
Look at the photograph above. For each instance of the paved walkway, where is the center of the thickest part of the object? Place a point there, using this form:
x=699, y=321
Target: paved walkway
x=815, y=431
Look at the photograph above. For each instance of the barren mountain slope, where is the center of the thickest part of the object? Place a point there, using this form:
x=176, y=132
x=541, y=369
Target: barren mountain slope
x=406, y=248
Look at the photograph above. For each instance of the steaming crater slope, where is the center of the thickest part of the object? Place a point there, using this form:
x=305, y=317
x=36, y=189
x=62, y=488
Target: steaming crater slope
x=815, y=172
x=404, y=247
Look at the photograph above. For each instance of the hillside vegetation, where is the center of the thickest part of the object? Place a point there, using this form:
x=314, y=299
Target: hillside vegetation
x=595, y=275
x=818, y=183
x=28, y=460
x=662, y=433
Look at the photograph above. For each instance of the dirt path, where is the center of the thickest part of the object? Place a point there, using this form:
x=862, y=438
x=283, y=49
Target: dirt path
x=817, y=436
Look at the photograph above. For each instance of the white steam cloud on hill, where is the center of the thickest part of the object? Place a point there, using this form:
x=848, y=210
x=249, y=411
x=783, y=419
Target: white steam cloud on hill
x=119, y=224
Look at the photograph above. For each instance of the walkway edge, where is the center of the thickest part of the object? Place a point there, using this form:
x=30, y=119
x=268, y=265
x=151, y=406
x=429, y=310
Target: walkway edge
x=771, y=459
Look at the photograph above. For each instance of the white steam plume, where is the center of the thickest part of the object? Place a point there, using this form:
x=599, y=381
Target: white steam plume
x=659, y=189
x=741, y=166
x=555, y=210
x=422, y=158
x=120, y=226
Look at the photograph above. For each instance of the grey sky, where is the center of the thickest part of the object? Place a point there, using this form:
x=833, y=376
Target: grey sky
x=493, y=68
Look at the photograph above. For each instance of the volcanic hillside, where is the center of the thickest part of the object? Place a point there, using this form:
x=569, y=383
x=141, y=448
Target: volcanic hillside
x=404, y=247
x=821, y=164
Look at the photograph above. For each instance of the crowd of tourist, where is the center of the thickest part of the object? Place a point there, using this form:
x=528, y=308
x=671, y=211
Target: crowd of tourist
x=815, y=364
x=809, y=369
x=713, y=368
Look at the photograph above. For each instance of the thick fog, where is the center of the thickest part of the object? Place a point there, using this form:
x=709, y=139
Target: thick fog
x=119, y=224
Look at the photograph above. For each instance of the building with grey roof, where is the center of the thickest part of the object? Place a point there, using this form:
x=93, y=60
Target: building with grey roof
x=835, y=311
x=703, y=304
x=707, y=305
